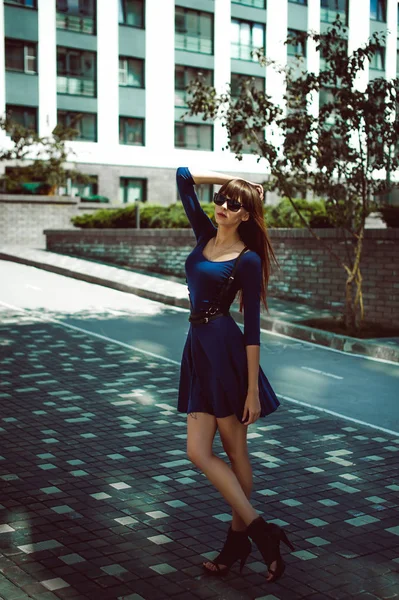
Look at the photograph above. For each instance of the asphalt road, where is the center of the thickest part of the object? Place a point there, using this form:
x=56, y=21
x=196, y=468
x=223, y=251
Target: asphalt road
x=355, y=387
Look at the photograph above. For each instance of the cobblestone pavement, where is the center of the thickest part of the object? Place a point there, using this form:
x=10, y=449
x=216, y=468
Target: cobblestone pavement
x=98, y=499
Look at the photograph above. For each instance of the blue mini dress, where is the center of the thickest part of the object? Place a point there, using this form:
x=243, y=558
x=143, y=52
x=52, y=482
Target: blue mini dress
x=214, y=370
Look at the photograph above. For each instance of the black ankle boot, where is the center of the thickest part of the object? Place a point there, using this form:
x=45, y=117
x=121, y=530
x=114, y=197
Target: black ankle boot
x=267, y=537
x=237, y=546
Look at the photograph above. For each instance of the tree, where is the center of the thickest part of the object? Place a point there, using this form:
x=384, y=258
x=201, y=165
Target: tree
x=341, y=154
x=46, y=157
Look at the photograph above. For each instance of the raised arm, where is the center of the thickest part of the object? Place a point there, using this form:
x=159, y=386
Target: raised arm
x=200, y=222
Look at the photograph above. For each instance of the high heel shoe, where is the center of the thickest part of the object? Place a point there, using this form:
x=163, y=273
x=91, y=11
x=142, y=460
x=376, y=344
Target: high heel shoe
x=267, y=537
x=237, y=546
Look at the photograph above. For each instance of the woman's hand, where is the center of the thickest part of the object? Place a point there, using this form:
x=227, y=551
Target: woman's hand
x=258, y=187
x=251, y=408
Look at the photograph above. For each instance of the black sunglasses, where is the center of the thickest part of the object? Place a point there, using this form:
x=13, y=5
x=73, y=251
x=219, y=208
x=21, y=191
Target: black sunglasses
x=232, y=205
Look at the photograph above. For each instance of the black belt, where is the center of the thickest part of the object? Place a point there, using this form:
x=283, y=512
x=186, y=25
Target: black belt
x=201, y=318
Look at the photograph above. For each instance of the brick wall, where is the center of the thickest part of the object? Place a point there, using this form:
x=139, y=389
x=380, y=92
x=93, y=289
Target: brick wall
x=308, y=273
x=23, y=218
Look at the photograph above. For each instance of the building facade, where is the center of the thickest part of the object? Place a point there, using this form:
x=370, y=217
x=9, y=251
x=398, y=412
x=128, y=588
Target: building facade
x=116, y=70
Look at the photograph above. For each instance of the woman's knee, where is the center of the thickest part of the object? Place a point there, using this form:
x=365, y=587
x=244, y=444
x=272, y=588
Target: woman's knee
x=197, y=455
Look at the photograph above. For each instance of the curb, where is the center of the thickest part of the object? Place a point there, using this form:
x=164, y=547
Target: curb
x=334, y=341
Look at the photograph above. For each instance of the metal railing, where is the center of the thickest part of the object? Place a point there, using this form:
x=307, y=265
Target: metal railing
x=75, y=23
x=77, y=86
x=193, y=43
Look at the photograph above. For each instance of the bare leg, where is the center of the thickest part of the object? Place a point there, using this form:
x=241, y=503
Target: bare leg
x=201, y=430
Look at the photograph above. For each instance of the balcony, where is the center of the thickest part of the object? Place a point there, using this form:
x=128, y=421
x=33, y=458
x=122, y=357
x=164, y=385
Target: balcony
x=193, y=43
x=76, y=86
x=76, y=23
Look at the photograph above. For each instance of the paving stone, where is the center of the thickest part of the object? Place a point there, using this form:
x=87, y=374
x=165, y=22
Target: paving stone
x=101, y=501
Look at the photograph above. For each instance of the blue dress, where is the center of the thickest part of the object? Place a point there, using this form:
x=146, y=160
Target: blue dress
x=214, y=371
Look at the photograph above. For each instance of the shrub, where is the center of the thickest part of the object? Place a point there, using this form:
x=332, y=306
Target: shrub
x=284, y=215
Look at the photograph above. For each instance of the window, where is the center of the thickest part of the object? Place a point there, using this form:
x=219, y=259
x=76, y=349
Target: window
x=82, y=190
x=131, y=72
x=237, y=78
x=76, y=72
x=378, y=10
x=377, y=61
x=297, y=47
x=254, y=3
x=84, y=123
x=303, y=2
x=131, y=131
x=193, y=31
x=76, y=15
x=331, y=8
x=193, y=136
x=23, y=115
x=20, y=56
x=183, y=76
x=132, y=189
x=245, y=38
x=26, y=3
x=131, y=12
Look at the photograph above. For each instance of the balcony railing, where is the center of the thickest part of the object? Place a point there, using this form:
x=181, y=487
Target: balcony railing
x=328, y=15
x=75, y=23
x=77, y=86
x=193, y=43
x=243, y=52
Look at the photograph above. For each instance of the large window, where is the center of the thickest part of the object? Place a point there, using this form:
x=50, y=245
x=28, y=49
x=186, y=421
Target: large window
x=303, y=2
x=331, y=8
x=183, y=76
x=84, y=123
x=132, y=189
x=131, y=72
x=131, y=12
x=26, y=3
x=23, y=115
x=237, y=79
x=20, y=56
x=76, y=72
x=82, y=190
x=297, y=47
x=254, y=3
x=377, y=61
x=245, y=38
x=76, y=15
x=193, y=136
x=378, y=10
x=193, y=30
x=131, y=131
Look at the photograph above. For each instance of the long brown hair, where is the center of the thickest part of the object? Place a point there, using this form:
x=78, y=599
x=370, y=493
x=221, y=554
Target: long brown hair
x=253, y=232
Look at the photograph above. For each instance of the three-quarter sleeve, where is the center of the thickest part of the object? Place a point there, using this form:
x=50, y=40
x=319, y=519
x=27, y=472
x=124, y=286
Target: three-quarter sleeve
x=250, y=280
x=200, y=222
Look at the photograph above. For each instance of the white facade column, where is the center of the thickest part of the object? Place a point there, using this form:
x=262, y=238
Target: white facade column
x=222, y=73
x=392, y=28
x=107, y=73
x=313, y=56
x=160, y=76
x=47, y=67
x=276, y=50
x=359, y=33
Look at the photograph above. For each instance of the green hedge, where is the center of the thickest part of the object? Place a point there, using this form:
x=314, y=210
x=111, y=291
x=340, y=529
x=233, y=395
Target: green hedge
x=154, y=216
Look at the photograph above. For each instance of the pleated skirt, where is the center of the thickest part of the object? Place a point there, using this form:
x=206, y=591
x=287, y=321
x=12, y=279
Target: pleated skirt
x=214, y=372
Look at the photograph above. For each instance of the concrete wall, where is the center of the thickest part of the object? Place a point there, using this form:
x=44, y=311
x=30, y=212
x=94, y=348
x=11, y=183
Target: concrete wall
x=308, y=273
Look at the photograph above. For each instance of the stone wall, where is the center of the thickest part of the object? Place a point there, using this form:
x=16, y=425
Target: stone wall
x=23, y=218
x=308, y=273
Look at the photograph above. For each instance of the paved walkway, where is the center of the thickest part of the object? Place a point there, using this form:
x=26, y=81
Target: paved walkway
x=284, y=316
x=98, y=499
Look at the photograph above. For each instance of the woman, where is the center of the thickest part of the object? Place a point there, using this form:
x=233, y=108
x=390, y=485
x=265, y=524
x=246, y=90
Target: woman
x=222, y=387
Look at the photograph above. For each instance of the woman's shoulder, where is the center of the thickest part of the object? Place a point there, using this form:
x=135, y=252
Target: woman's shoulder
x=251, y=257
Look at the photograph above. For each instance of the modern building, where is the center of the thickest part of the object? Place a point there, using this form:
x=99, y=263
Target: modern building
x=116, y=70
